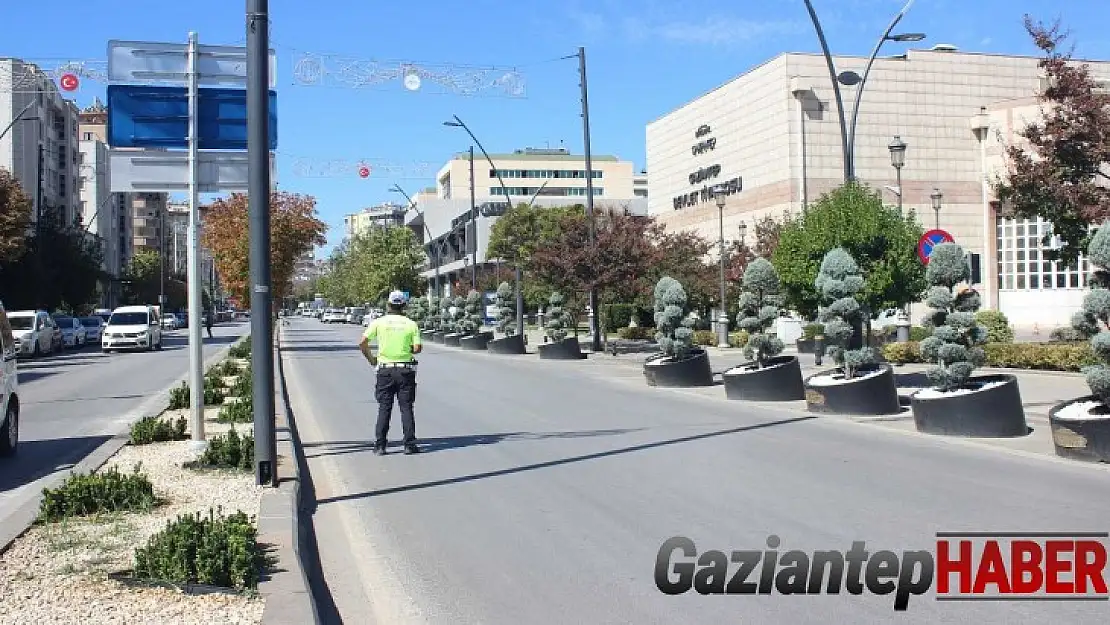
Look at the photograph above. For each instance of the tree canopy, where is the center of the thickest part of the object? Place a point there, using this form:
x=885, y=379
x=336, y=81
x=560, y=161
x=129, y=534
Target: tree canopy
x=517, y=234
x=1061, y=175
x=15, y=216
x=294, y=230
x=59, y=266
x=883, y=242
x=370, y=265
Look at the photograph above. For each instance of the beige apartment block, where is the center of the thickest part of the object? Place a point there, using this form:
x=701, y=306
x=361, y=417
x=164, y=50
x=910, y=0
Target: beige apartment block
x=382, y=215
x=548, y=173
x=773, y=138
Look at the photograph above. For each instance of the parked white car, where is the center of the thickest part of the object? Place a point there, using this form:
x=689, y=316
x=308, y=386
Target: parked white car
x=73, y=333
x=9, y=388
x=334, y=315
x=355, y=315
x=33, y=331
x=132, y=327
x=171, y=321
x=94, y=327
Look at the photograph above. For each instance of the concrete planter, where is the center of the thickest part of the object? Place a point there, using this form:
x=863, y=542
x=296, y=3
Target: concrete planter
x=1085, y=439
x=452, y=340
x=507, y=345
x=437, y=336
x=993, y=412
x=693, y=370
x=566, y=349
x=805, y=346
x=474, y=343
x=780, y=379
x=869, y=395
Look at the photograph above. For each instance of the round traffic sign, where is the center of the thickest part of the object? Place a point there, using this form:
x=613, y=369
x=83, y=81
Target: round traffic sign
x=363, y=171
x=929, y=241
x=69, y=82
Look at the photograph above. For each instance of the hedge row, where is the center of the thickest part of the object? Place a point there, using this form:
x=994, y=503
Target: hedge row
x=1045, y=356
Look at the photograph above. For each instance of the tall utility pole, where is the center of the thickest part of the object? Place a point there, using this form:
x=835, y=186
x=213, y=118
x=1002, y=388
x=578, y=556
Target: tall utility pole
x=595, y=319
x=194, y=278
x=474, y=222
x=162, y=262
x=258, y=166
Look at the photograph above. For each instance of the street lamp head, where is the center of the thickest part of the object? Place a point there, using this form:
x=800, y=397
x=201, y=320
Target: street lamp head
x=907, y=37
x=936, y=196
x=452, y=124
x=719, y=195
x=897, y=149
x=743, y=230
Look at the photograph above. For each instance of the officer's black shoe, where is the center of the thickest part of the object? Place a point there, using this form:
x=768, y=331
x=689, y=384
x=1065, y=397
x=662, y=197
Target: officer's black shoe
x=411, y=449
x=379, y=450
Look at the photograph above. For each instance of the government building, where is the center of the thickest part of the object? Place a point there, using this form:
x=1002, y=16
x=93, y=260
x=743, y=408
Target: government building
x=771, y=139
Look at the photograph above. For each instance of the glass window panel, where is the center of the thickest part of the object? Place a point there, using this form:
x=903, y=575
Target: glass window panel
x=1020, y=281
x=1009, y=282
x=1034, y=282
x=1020, y=244
x=999, y=255
x=1021, y=267
x=1034, y=242
x=1021, y=230
x=1021, y=255
x=1009, y=268
x=1046, y=267
x=1034, y=254
x=1073, y=280
x=1046, y=281
x=1009, y=255
x=999, y=270
x=1061, y=280
x=1033, y=229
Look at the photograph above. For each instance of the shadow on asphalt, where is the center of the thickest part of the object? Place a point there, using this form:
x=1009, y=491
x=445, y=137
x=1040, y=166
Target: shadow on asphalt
x=561, y=461
x=334, y=347
x=78, y=399
x=31, y=376
x=429, y=445
x=34, y=459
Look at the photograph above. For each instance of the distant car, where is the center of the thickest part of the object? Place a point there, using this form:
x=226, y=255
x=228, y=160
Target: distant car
x=355, y=315
x=33, y=331
x=334, y=315
x=73, y=333
x=9, y=388
x=171, y=321
x=94, y=326
x=132, y=327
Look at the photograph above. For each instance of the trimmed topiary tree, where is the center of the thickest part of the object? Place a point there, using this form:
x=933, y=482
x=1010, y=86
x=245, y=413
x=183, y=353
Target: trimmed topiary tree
x=838, y=281
x=1093, y=321
x=506, y=309
x=446, y=320
x=759, y=308
x=955, y=346
x=417, y=310
x=431, y=318
x=471, y=321
x=675, y=329
x=459, y=305
x=559, y=322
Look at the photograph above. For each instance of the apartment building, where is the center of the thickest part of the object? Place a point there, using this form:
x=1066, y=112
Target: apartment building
x=39, y=145
x=772, y=139
x=382, y=215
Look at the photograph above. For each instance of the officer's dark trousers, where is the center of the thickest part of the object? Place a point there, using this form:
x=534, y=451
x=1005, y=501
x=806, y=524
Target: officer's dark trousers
x=399, y=382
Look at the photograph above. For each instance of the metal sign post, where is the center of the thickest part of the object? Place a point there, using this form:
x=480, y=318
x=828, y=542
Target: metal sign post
x=196, y=345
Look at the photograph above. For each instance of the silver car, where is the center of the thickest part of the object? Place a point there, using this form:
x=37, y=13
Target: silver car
x=94, y=327
x=73, y=333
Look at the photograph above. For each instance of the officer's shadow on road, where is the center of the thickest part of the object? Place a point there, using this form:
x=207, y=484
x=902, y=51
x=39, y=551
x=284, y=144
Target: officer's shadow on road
x=329, y=347
x=430, y=445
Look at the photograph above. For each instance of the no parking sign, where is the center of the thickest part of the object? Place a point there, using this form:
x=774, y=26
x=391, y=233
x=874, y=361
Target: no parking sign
x=928, y=242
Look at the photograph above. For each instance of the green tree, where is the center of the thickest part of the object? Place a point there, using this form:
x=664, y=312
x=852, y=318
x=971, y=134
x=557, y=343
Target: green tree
x=372, y=264
x=882, y=242
x=758, y=310
x=58, y=266
x=957, y=340
x=523, y=229
x=15, y=217
x=838, y=281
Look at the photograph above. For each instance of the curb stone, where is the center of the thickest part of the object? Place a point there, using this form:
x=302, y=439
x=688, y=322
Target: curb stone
x=288, y=592
x=25, y=515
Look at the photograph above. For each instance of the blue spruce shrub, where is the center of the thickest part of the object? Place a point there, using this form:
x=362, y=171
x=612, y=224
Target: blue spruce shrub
x=459, y=304
x=471, y=321
x=506, y=309
x=446, y=319
x=432, y=318
x=559, y=322
x=1093, y=321
x=675, y=328
x=417, y=310
x=838, y=281
x=759, y=308
x=956, y=344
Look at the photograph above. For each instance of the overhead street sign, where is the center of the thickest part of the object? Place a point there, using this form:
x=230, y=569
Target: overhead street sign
x=155, y=170
x=929, y=241
x=152, y=61
x=147, y=116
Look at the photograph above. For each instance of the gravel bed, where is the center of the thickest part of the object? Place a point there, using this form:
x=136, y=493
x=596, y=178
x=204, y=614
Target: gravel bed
x=58, y=573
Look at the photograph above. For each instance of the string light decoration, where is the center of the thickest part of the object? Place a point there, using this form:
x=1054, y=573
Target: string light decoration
x=29, y=77
x=318, y=70
x=307, y=167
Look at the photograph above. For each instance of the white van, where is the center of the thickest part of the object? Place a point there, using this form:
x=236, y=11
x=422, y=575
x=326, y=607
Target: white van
x=9, y=388
x=132, y=327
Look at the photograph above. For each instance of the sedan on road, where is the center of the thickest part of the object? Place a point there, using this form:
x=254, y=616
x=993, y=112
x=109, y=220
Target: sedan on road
x=94, y=327
x=73, y=332
x=34, y=332
x=334, y=315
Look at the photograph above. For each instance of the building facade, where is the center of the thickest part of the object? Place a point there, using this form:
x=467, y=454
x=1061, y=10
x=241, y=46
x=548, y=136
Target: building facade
x=40, y=145
x=771, y=139
x=382, y=215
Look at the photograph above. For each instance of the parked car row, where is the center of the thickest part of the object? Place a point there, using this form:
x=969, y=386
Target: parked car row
x=37, y=333
x=352, y=314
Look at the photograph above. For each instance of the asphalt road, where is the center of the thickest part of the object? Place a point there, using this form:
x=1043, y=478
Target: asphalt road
x=75, y=400
x=545, y=495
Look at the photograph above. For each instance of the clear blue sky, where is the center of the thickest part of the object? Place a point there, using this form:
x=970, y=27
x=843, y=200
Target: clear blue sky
x=645, y=58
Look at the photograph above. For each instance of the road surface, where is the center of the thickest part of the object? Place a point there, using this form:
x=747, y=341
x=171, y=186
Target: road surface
x=75, y=400
x=545, y=495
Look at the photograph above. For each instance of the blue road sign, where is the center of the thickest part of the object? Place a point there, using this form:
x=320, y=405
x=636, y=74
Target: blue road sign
x=144, y=116
x=930, y=240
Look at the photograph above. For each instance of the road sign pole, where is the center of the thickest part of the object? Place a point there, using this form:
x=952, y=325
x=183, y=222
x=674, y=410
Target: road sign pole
x=258, y=197
x=196, y=321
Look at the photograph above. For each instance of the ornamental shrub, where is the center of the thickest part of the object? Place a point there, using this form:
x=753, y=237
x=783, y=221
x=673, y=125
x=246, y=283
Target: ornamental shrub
x=675, y=329
x=432, y=319
x=838, y=282
x=559, y=321
x=1093, y=321
x=957, y=340
x=997, y=325
x=506, y=309
x=459, y=306
x=417, y=310
x=760, y=298
x=471, y=321
x=446, y=321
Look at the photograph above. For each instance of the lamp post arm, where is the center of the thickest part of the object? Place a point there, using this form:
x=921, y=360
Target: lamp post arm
x=537, y=193
x=863, y=81
x=488, y=159
x=17, y=118
x=848, y=173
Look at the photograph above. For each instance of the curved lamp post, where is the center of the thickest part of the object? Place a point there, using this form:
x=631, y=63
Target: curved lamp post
x=936, y=196
x=897, y=149
x=455, y=122
x=849, y=78
x=722, y=320
x=431, y=241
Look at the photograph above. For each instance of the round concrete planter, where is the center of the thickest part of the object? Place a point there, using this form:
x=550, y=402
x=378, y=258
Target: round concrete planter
x=689, y=372
x=1080, y=439
x=566, y=349
x=474, y=343
x=780, y=379
x=437, y=336
x=427, y=335
x=452, y=340
x=805, y=346
x=994, y=412
x=507, y=345
x=872, y=395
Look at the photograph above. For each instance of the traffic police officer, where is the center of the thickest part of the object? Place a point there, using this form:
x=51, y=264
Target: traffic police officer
x=398, y=339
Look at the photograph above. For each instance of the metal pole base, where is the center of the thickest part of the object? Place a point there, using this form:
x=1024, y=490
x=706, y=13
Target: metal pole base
x=197, y=447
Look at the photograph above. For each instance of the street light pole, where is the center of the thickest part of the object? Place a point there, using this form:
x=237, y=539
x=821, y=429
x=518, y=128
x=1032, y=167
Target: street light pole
x=595, y=319
x=458, y=123
x=897, y=149
x=473, y=218
x=19, y=117
x=431, y=241
x=722, y=320
x=936, y=196
x=162, y=262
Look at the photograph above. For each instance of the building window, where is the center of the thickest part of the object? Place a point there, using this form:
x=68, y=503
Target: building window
x=88, y=136
x=543, y=174
x=1021, y=261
